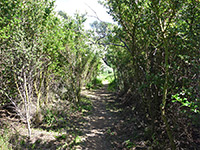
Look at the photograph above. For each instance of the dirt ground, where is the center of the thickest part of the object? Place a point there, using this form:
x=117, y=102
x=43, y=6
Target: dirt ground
x=95, y=127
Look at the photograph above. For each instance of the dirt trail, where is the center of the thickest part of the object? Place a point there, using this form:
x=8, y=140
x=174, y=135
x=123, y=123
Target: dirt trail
x=95, y=128
x=99, y=122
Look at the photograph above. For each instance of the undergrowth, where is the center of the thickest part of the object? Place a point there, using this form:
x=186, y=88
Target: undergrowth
x=4, y=139
x=94, y=84
x=112, y=85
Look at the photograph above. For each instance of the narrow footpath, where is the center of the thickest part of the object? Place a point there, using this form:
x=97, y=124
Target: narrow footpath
x=98, y=124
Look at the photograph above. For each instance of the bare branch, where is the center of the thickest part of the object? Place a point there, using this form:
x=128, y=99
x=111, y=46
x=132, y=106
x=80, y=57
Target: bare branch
x=12, y=101
x=125, y=45
x=96, y=16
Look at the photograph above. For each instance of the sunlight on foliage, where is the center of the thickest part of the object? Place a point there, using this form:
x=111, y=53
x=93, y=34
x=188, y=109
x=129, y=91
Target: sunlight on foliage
x=4, y=142
x=182, y=98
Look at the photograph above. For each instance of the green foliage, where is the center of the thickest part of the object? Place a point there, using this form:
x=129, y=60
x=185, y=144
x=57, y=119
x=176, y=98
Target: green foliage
x=61, y=137
x=112, y=86
x=182, y=98
x=35, y=64
x=49, y=117
x=95, y=83
x=4, y=140
x=153, y=50
x=129, y=144
x=106, y=77
x=77, y=140
x=85, y=105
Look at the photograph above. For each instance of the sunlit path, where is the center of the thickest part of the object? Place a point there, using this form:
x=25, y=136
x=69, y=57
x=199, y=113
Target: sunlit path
x=98, y=122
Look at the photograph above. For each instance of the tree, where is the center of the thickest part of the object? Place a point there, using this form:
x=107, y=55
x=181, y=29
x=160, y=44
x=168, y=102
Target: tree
x=154, y=34
x=22, y=49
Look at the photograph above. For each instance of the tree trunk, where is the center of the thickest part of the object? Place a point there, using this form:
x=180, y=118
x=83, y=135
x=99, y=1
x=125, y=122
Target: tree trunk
x=163, y=106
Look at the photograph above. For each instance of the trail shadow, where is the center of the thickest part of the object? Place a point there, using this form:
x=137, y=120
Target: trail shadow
x=96, y=126
x=97, y=131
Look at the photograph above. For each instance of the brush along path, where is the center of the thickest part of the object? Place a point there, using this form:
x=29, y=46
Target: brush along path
x=95, y=129
x=99, y=122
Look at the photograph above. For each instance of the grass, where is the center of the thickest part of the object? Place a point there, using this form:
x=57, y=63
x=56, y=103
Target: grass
x=106, y=78
x=129, y=144
x=94, y=84
x=4, y=141
x=8, y=140
x=59, y=128
x=100, y=80
x=85, y=105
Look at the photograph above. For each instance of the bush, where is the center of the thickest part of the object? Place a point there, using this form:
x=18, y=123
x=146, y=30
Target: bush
x=94, y=84
x=112, y=85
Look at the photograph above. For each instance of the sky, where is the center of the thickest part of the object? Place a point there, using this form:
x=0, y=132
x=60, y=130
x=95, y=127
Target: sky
x=71, y=6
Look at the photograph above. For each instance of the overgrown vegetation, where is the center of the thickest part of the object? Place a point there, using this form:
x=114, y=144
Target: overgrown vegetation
x=154, y=52
x=4, y=139
x=150, y=59
x=36, y=69
x=95, y=83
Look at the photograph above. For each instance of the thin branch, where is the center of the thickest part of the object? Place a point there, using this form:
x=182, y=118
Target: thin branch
x=12, y=101
x=125, y=45
x=96, y=16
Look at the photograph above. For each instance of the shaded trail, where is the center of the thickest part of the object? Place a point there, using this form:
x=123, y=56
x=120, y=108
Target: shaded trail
x=97, y=128
x=98, y=123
